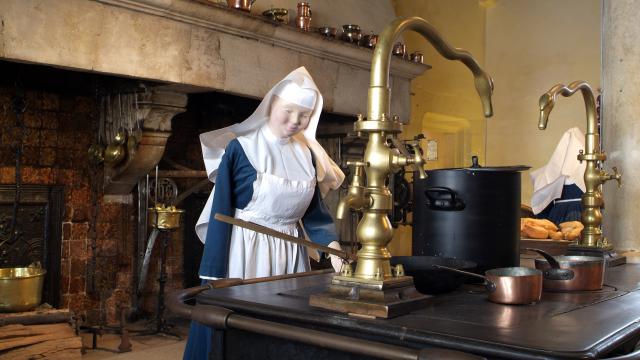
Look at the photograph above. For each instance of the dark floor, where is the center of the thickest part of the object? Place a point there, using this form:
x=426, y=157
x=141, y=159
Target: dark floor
x=143, y=347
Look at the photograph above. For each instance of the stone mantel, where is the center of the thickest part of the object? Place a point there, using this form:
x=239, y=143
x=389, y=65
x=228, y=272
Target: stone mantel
x=192, y=46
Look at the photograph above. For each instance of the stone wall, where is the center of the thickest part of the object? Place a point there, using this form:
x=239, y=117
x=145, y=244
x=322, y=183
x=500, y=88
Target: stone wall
x=59, y=128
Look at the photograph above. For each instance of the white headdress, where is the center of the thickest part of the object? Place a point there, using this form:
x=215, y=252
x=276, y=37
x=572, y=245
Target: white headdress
x=297, y=87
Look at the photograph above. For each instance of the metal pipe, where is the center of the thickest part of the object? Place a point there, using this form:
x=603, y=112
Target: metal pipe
x=379, y=93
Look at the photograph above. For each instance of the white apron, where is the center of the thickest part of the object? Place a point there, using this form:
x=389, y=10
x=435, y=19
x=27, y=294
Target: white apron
x=279, y=204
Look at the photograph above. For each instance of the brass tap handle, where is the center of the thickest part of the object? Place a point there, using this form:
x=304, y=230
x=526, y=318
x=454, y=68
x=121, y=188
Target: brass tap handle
x=617, y=176
x=418, y=160
x=580, y=155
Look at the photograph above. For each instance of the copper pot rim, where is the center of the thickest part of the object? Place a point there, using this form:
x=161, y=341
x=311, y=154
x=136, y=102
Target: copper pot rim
x=513, y=272
x=567, y=261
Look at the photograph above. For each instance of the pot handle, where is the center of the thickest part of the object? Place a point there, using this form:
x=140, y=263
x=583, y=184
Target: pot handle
x=555, y=273
x=488, y=284
x=453, y=203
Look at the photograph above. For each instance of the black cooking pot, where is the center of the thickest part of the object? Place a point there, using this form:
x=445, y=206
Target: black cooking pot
x=429, y=279
x=469, y=213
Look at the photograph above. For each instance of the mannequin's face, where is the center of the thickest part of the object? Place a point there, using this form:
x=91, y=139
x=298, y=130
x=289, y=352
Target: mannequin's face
x=287, y=119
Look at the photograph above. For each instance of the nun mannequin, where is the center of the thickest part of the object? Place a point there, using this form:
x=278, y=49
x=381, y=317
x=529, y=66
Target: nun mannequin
x=269, y=170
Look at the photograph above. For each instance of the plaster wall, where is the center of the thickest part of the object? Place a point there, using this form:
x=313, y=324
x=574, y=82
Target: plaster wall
x=447, y=89
x=444, y=104
x=621, y=132
x=531, y=46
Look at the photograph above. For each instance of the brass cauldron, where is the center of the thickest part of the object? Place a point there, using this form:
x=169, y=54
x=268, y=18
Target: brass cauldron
x=165, y=218
x=20, y=288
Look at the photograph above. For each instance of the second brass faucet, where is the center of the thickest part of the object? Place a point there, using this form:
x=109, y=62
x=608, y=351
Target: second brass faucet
x=594, y=176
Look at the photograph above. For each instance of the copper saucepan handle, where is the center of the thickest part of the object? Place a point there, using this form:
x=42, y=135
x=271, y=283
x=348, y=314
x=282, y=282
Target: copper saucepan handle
x=267, y=231
x=488, y=284
x=555, y=273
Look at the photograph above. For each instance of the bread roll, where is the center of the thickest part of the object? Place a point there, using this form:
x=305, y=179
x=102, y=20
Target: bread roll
x=545, y=224
x=535, y=232
x=571, y=225
x=573, y=234
x=556, y=235
x=538, y=222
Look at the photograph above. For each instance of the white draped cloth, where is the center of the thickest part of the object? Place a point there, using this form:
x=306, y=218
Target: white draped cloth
x=562, y=169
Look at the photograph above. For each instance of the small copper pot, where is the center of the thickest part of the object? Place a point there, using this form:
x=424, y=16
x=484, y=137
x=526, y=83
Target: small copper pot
x=417, y=57
x=244, y=5
x=351, y=33
x=303, y=20
x=511, y=285
x=399, y=49
x=588, y=272
x=369, y=41
x=327, y=31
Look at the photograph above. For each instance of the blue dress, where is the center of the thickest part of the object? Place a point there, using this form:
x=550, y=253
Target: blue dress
x=235, y=185
x=567, y=208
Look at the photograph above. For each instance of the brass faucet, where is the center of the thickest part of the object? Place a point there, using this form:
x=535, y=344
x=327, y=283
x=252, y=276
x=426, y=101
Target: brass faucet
x=356, y=198
x=594, y=176
x=373, y=199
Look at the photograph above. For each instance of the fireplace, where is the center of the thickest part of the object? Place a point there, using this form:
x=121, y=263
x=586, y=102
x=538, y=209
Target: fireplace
x=39, y=216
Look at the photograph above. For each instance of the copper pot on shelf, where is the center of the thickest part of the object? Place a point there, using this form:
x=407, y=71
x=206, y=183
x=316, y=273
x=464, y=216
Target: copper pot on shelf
x=351, y=33
x=417, y=57
x=244, y=5
x=303, y=20
x=278, y=15
x=399, y=50
x=327, y=31
x=369, y=41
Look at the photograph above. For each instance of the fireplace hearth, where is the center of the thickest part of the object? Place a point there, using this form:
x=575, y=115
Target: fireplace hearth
x=38, y=233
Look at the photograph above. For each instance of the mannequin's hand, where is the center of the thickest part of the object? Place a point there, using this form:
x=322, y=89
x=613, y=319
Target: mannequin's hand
x=336, y=261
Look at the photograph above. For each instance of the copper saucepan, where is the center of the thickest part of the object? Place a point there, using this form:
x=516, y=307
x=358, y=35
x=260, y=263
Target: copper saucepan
x=510, y=285
x=588, y=271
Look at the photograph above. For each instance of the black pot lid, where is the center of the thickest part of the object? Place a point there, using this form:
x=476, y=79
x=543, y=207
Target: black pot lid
x=512, y=168
x=476, y=167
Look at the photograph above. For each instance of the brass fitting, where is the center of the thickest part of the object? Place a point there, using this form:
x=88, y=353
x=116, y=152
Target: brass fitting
x=356, y=198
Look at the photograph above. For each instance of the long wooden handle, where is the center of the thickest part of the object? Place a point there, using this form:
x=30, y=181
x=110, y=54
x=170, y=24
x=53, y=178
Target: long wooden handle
x=267, y=231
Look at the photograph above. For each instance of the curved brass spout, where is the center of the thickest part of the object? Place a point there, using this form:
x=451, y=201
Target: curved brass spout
x=548, y=101
x=594, y=177
x=379, y=89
